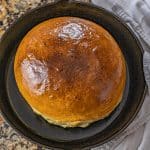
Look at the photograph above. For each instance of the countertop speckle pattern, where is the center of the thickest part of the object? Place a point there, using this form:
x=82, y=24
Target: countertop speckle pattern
x=10, y=10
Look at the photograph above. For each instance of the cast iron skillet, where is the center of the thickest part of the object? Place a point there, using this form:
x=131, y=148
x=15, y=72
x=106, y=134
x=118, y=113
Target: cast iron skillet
x=17, y=112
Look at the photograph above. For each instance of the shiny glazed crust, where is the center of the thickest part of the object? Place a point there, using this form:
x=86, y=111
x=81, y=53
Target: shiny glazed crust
x=70, y=71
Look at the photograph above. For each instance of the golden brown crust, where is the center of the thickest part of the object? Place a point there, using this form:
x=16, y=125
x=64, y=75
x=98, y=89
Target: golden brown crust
x=70, y=70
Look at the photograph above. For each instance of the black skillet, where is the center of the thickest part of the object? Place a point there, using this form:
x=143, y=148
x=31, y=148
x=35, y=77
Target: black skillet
x=20, y=116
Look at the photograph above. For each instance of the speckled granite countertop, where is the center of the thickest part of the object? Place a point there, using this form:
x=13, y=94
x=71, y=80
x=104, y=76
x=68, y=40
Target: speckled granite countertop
x=10, y=10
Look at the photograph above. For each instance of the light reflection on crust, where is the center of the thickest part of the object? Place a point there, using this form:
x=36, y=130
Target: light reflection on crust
x=35, y=74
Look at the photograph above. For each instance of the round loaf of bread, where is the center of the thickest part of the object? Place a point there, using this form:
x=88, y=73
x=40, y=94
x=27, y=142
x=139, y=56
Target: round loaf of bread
x=70, y=71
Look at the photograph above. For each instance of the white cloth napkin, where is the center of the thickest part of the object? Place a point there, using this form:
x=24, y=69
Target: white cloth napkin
x=136, y=14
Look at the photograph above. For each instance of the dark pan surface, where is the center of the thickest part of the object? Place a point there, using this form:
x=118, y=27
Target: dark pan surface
x=19, y=114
